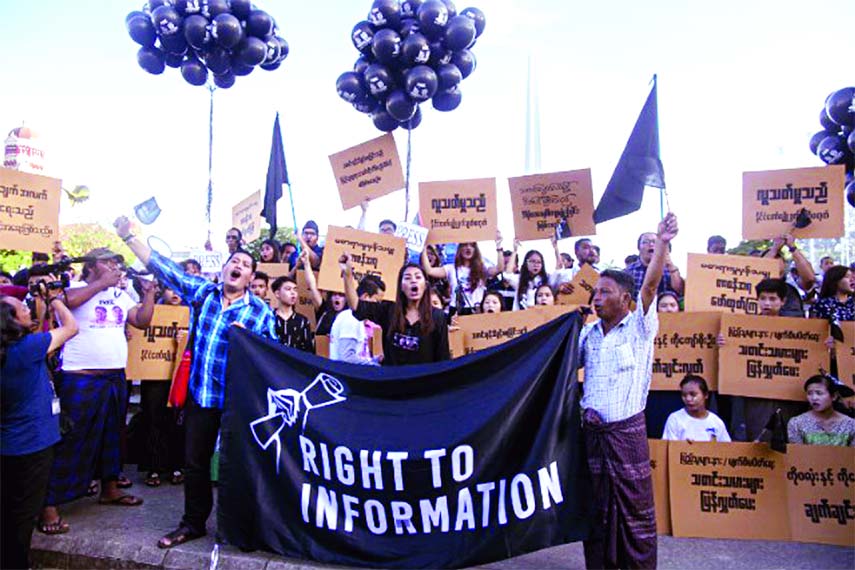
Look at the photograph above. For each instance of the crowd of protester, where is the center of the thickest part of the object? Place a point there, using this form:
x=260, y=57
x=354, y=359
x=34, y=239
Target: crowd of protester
x=54, y=454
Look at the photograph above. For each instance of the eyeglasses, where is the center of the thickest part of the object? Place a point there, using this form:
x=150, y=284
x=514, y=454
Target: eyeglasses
x=231, y=237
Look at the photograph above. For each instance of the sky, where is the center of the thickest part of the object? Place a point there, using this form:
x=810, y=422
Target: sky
x=741, y=85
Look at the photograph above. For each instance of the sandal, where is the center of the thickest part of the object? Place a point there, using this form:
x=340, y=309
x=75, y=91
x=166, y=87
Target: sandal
x=177, y=477
x=59, y=526
x=121, y=501
x=123, y=482
x=152, y=479
x=93, y=489
x=178, y=536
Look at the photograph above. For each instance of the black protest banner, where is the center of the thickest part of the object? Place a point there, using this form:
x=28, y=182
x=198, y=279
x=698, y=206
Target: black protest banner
x=449, y=464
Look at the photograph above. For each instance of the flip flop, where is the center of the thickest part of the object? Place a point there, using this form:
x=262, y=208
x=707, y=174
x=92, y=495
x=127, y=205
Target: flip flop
x=177, y=477
x=178, y=536
x=57, y=527
x=123, y=482
x=153, y=480
x=121, y=501
x=93, y=489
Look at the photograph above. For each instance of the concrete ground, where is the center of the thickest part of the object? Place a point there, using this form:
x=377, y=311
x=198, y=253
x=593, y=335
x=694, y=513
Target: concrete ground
x=126, y=537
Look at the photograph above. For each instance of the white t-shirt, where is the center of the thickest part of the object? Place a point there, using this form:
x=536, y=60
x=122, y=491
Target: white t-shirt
x=681, y=426
x=460, y=276
x=345, y=326
x=100, y=343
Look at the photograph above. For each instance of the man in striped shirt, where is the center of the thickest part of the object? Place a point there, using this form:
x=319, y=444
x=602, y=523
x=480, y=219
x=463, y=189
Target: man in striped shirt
x=216, y=308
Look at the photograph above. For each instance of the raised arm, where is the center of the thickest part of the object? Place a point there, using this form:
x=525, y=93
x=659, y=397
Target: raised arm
x=559, y=261
x=665, y=233
x=500, y=263
x=68, y=327
x=676, y=283
x=311, y=283
x=349, y=287
x=435, y=272
x=803, y=267
x=364, y=206
x=140, y=316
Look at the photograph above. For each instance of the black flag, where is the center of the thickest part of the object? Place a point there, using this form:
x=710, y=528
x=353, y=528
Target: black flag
x=639, y=166
x=277, y=175
x=441, y=465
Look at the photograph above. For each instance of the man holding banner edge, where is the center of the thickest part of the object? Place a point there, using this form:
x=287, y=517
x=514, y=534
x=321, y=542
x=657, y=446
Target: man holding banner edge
x=616, y=352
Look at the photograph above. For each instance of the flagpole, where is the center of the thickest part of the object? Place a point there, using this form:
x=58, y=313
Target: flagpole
x=658, y=153
x=293, y=212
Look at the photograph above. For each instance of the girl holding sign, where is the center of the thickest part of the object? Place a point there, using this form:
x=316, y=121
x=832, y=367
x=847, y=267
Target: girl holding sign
x=467, y=276
x=414, y=332
x=822, y=424
x=531, y=276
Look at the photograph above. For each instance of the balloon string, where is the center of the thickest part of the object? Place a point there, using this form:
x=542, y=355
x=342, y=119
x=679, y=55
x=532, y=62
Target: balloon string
x=407, y=174
x=210, y=159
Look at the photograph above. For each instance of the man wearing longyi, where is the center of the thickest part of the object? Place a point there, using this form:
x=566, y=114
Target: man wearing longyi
x=616, y=352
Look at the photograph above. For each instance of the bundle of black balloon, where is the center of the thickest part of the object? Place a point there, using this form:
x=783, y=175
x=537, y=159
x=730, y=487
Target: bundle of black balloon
x=224, y=37
x=412, y=51
x=835, y=143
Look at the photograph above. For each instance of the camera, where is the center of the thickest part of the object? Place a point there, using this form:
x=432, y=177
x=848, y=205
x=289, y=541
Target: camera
x=40, y=287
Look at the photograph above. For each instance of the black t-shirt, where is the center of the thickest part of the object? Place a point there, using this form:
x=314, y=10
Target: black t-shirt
x=409, y=346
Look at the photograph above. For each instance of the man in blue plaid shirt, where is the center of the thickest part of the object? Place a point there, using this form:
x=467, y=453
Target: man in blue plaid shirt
x=216, y=308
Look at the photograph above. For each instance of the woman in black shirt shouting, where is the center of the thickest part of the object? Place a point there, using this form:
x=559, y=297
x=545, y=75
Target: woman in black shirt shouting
x=413, y=331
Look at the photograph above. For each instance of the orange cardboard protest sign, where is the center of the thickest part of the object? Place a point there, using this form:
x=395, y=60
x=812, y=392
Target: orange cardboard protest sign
x=727, y=490
x=581, y=287
x=246, y=216
x=726, y=282
x=29, y=211
x=685, y=344
x=845, y=352
x=772, y=199
x=490, y=329
x=821, y=493
x=151, y=353
x=372, y=254
x=367, y=170
x=661, y=500
x=543, y=201
x=459, y=211
x=770, y=357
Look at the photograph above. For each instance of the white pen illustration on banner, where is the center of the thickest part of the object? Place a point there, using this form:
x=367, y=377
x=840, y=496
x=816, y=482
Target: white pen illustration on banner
x=284, y=407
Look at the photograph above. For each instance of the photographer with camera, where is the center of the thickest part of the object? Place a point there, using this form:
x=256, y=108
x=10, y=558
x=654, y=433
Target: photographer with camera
x=29, y=421
x=93, y=388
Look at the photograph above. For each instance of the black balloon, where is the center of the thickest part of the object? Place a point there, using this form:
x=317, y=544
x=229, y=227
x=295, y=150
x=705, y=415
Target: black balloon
x=185, y=7
x=850, y=142
x=386, y=45
x=194, y=71
x=174, y=44
x=415, y=49
x=350, y=86
x=433, y=16
x=385, y=13
x=832, y=150
x=421, y=83
x=449, y=76
x=153, y=5
x=141, y=30
x=414, y=122
x=816, y=139
x=260, y=24
x=410, y=8
x=135, y=14
x=827, y=123
x=384, y=121
x=173, y=59
x=224, y=80
x=439, y=54
x=399, y=105
x=361, y=65
x=459, y=33
x=270, y=66
x=362, y=36
x=218, y=60
x=241, y=8
x=465, y=62
x=151, y=59
x=227, y=30
x=196, y=31
x=452, y=9
x=166, y=20
x=284, y=49
x=840, y=107
x=239, y=68
x=408, y=26
x=273, y=51
x=251, y=51
x=477, y=17
x=379, y=80
x=367, y=104
x=447, y=100
x=850, y=193
x=213, y=8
